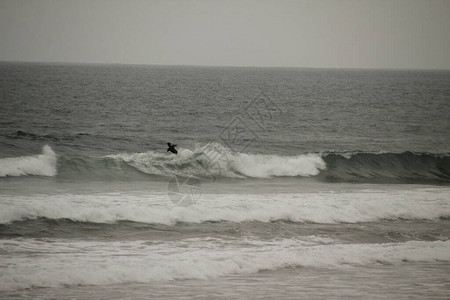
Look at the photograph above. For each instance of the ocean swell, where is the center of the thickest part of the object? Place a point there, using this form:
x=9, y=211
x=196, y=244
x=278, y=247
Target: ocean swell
x=216, y=161
x=387, y=167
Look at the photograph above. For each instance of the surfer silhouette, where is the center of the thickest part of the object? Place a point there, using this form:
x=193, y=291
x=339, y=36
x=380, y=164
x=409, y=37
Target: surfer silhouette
x=172, y=148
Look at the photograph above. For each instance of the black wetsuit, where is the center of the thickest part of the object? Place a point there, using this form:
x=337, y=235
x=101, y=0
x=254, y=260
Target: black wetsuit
x=172, y=148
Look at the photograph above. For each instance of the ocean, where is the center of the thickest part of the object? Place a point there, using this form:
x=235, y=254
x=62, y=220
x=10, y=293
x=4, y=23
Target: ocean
x=289, y=183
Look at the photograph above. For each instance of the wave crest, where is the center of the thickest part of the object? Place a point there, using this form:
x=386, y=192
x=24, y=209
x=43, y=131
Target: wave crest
x=43, y=164
x=215, y=161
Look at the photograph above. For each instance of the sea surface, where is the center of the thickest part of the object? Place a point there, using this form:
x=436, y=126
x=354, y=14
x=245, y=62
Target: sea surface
x=289, y=183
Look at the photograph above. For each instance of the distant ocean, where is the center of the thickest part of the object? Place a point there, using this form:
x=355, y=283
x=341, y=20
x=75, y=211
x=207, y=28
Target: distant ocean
x=289, y=183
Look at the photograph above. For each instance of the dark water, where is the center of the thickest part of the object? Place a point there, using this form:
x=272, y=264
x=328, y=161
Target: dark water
x=103, y=109
x=326, y=183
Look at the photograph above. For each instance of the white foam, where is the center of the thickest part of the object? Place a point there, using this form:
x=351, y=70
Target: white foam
x=43, y=164
x=55, y=263
x=324, y=207
x=265, y=166
x=215, y=159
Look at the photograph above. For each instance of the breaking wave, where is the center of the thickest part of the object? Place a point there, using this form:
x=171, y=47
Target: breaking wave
x=323, y=208
x=215, y=160
x=200, y=259
x=43, y=164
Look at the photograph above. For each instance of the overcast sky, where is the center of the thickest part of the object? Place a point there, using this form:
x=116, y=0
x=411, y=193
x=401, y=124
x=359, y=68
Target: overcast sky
x=335, y=33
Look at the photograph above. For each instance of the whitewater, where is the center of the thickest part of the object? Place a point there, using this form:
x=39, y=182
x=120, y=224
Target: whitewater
x=342, y=192
x=277, y=217
x=345, y=166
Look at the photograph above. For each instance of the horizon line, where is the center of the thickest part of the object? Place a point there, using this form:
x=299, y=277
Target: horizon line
x=219, y=66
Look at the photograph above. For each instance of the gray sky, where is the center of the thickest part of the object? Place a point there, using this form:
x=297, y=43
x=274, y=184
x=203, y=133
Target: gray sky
x=335, y=33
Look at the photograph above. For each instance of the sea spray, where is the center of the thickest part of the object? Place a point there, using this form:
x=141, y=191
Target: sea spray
x=43, y=164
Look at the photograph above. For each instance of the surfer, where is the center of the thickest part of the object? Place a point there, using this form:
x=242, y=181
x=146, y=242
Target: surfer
x=172, y=148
